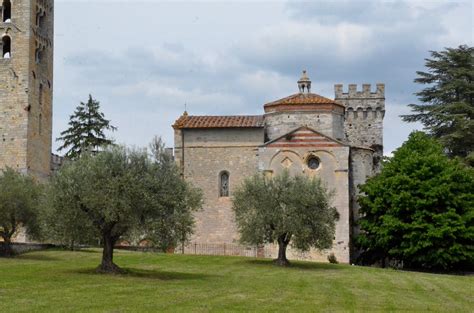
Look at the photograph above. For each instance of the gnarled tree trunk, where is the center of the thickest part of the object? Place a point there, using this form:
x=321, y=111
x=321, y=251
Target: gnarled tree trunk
x=283, y=242
x=107, y=265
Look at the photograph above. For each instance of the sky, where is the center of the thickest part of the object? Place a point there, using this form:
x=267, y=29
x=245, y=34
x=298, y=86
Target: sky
x=145, y=61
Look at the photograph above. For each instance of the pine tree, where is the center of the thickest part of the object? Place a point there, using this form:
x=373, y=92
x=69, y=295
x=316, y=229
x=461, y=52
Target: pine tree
x=86, y=130
x=448, y=102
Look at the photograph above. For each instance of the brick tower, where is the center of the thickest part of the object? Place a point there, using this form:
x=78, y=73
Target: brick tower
x=26, y=85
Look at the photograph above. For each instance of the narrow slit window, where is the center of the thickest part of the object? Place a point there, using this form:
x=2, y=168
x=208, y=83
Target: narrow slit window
x=224, y=184
x=40, y=124
x=38, y=55
x=40, y=95
x=7, y=11
x=7, y=46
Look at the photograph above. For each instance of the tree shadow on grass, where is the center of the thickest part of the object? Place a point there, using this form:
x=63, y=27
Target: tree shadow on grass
x=312, y=266
x=150, y=274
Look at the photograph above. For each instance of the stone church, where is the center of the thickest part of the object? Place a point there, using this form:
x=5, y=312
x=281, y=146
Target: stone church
x=340, y=141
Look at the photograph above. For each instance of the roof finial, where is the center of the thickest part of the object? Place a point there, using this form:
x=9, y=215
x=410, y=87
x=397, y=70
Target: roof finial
x=304, y=83
x=185, y=109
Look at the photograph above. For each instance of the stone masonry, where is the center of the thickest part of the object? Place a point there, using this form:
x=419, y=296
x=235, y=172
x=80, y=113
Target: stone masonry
x=344, y=136
x=26, y=85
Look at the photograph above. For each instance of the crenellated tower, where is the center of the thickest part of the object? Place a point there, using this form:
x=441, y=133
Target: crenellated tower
x=26, y=85
x=364, y=114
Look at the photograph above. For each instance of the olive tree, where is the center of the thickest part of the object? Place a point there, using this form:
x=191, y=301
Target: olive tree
x=117, y=193
x=285, y=210
x=19, y=197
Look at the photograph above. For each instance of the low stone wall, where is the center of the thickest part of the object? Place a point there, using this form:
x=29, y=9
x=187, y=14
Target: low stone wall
x=267, y=251
x=20, y=248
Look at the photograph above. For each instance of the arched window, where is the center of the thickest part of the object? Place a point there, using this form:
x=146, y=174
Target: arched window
x=7, y=11
x=7, y=46
x=224, y=184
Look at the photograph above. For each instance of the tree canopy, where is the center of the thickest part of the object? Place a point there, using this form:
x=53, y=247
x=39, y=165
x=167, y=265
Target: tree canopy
x=119, y=194
x=19, y=198
x=419, y=209
x=86, y=130
x=285, y=209
x=447, y=108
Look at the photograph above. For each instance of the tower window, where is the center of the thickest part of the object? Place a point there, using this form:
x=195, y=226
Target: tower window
x=40, y=124
x=224, y=184
x=7, y=46
x=38, y=55
x=40, y=95
x=7, y=11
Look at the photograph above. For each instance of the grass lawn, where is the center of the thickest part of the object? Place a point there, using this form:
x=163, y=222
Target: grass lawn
x=61, y=281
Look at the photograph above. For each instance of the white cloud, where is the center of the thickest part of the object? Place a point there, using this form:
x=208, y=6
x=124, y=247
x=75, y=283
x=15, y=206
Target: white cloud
x=231, y=58
x=293, y=39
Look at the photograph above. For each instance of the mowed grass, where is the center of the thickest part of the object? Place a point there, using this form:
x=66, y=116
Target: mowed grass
x=62, y=281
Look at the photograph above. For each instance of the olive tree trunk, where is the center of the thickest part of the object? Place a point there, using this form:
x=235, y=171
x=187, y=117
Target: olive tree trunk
x=283, y=242
x=107, y=265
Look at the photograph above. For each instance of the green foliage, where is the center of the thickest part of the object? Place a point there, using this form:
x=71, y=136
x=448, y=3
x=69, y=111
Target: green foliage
x=447, y=111
x=169, y=220
x=419, y=209
x=19, y=196
x=86, y=130
x=69, y=227
x=121, y=194
x=284, y=209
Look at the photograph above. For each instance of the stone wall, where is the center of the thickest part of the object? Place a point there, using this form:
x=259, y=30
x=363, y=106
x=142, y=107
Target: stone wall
x=364, y=115
x=207, y=153
x=20, y=248
x=329, y=123
x=362, y=167
x=333, y=171
x=26, y=88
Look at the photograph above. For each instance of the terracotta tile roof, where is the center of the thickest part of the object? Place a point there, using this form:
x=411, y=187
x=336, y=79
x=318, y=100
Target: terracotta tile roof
x=206, y=121
x=303, y=98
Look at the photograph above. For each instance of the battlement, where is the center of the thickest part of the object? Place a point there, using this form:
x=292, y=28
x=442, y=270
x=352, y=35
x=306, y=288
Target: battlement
x=366, y=92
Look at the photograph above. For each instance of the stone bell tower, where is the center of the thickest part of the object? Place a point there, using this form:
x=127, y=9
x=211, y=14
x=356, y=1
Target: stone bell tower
x=26, y=85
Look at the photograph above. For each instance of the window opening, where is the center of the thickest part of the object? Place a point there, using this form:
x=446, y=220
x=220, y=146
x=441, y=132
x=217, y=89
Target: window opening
x=7, y=11
x=40, y=95
x=313, y=162
x=224, y=184
x=6, y=43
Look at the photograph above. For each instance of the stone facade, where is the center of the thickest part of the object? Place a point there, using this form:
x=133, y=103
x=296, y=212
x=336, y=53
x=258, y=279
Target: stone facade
x=26, y=85
x=292, y=131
